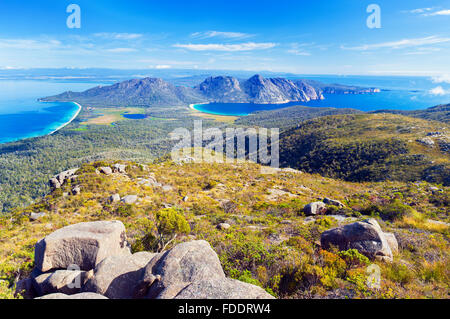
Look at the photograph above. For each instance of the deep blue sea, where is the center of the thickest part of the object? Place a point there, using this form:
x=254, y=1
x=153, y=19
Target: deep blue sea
x=400, y=93
x=22, y=116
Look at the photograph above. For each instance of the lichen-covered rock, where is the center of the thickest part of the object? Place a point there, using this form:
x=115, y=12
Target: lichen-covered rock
x=366, y=236
x=225, y=288
x=117, y=277
x=114, y=198
x=83, y=244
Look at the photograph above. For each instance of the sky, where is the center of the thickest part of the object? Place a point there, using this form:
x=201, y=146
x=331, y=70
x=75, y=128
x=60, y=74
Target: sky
x=303, y=37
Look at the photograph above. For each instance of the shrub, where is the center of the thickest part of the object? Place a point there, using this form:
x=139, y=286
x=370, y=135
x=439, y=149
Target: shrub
x=353, y=258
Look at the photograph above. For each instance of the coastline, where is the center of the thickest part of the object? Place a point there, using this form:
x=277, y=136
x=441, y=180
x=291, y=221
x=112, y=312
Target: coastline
x=70, y=121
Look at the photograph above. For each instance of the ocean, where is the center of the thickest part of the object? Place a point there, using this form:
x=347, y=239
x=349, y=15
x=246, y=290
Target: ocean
x=22, y=116
x=399, y=93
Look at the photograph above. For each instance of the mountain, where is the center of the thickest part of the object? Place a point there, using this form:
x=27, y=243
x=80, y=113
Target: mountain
x=437, y=113
x=224, y=89
x=369, y=147
x=146, y=91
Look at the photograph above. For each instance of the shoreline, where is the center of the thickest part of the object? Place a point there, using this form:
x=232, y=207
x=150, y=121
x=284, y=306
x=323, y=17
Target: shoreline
x=68, y=122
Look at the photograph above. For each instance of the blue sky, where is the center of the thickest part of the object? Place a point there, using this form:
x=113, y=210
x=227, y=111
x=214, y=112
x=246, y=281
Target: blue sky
x=307, y=37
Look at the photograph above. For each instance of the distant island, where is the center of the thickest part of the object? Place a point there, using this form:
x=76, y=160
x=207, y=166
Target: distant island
x=219, y=89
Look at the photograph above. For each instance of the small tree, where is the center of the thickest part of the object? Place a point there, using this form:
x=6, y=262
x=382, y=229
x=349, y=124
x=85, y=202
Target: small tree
x=170, y=223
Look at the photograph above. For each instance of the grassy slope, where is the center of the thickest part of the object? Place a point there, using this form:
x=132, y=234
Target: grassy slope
x=269, y=243
x=368, y=147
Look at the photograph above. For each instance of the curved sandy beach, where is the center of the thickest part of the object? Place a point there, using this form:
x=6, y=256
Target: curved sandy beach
x=70, y=121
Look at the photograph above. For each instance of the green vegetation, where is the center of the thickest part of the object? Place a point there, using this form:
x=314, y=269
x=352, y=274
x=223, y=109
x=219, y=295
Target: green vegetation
x=270, y=243
x=365, y=147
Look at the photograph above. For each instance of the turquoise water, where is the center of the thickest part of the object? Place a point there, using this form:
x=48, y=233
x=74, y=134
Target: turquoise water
x=22, y=116
x=399, y=93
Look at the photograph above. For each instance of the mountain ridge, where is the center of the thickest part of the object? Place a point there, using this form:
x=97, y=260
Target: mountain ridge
x=221, y=89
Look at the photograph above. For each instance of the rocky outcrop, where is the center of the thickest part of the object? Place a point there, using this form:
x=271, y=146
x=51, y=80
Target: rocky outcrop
x=59, y=180
x=366, y=236
x=315, y=208
x=84, y=244
x=117, y=277
x=108, y=270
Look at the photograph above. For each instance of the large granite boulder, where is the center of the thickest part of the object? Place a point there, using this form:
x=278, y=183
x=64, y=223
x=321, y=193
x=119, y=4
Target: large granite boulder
x=184, y=264
x=117, y=277
x=225, y=288
x=366, y=236
x=84, y=295
x=68, y=282
x=83, y=244
x=315, y=208
x=392, y=241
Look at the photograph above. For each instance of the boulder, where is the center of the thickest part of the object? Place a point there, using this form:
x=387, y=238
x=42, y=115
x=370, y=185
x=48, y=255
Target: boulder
x=129, y=199
x=426, y=141
x=54, y=183
x=120, y=168
x=167, y=188
x=392, y=241
x=83, y=244
x=114, y=198
x=223, y=226
x=106, y=170
x=179, y=267
x=333, y=202
x=224, y=288
x=117, y=277
x=76, y=191
x=36, y=216
x=68, y=282
x=315, y=208
x=84, y=295
x=366, y=236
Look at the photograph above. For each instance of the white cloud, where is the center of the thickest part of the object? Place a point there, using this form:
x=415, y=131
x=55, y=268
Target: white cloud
x=118, y=36
x=439, y=13
x=420, y=10
x=29, y=44
x=249, y=46
x=162, y=66
x=400, y=44
x=121, y=50
x=439, y=90
x=221, y=34
x=444, y=78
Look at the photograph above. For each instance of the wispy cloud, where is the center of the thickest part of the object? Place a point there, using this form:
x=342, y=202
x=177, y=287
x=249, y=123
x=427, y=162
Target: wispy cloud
x=221, y=34
x=428, y=12
x=405, y=43
x=118, y=36
x=248, y=46
x=439, y=13
x=27, y=44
